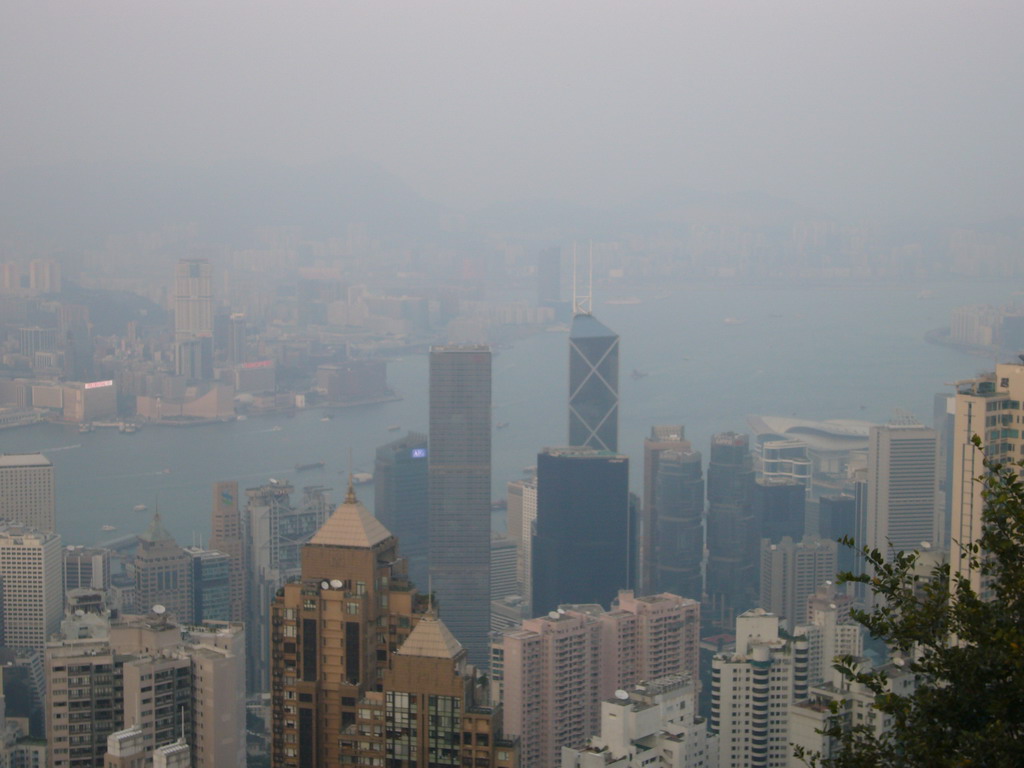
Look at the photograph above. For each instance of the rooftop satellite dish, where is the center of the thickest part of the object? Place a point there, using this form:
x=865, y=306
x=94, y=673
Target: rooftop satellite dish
x=621, y=695
x=159, y=610
x=832, y=606
x=926, y=545
x=273, y=481
x=325, y=585
x=898, y=662
x=561, y=611
x=828, y=582
x=553, y=615
x=79, y=613
x=337, y=584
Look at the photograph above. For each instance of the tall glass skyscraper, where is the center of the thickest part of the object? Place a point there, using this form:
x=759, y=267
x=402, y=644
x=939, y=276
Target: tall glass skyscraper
x=733, y=535
x=679, y=526
x=593, y=384
x=401, y=501
x=585, y=534
x=460, y=492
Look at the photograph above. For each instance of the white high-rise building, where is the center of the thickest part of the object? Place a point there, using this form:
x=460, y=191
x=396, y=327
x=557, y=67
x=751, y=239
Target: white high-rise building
x=903, y=508
x=752, y=691
x=27, y=491
x=651, y=723
x=792, y=571
x=31, y=567
x=989, y=407
x=193, y=299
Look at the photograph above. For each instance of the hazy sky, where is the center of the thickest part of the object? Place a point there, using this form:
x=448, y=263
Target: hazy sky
x=861, y=107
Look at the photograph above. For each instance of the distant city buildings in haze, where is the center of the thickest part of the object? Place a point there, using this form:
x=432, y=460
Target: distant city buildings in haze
x=460, y=491
x=585, y=535
x=27, y=490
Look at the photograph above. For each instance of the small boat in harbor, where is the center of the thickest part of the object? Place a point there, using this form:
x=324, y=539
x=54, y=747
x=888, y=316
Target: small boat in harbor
x=361, y=478
x=393, y=427
x=108, y=528
x=311, y=465
x=139, y=508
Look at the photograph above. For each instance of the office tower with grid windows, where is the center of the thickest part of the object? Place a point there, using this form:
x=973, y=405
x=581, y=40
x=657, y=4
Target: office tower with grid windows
x=31, y=569
x=459, y=457
x=27, y=491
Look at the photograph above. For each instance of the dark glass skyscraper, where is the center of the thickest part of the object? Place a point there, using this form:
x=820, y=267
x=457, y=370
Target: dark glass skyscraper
x=780, y=505
x=593, y=384
x=584, y=532
x=460, y=492
x=401, y=500
x=679, y=537
x=733, y=535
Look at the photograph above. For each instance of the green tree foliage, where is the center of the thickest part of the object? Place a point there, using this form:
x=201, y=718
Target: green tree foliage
x=967, y=653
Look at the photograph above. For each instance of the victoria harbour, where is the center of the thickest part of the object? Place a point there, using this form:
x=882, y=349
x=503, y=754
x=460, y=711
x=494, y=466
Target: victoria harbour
x=704, y=355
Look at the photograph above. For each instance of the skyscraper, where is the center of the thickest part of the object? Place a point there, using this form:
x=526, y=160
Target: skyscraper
x=275, y=534
x=988, y=407
x=779, y=506
x=227, y=536
x=593, y=384
x=401, y=500
x=732, y=533
x=663, y=438
x=679, y=523
x=584, y=533
x=33, y=593
x=163, y=573
x=792, y=571
x=460, y=491
x=26, y=490
x=903, y=505
x=193, y=318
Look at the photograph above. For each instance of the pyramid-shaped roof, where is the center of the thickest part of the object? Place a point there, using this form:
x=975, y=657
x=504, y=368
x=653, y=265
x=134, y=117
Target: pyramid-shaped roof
x=351, y=525
x=156, y=531
x=589, y=327
x=431, y=638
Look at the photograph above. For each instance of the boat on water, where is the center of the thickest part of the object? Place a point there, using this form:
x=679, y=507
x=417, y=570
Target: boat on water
x=87, y=427
x=638, y=374
x=278, y=428
x=325, y=418
x=393, y=427
x=108, y=528
x=361, y=478
x=732, y=321
x=311, y=465
x=501, y=424
x=139, y=508
x=128, y=428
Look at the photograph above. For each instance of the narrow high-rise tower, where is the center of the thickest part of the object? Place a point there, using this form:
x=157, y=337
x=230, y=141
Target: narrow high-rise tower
x=459, y=457
x=732, y=532
x=193, y=318
x=593, y=378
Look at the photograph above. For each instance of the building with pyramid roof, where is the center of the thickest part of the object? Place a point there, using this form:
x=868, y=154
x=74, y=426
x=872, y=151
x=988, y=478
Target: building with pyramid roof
x=163, y=573
x=353, y=644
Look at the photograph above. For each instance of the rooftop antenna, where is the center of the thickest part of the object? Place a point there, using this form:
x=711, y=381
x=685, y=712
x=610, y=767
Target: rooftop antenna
x=582, y=302
x=430, y=595
x=350, y=496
